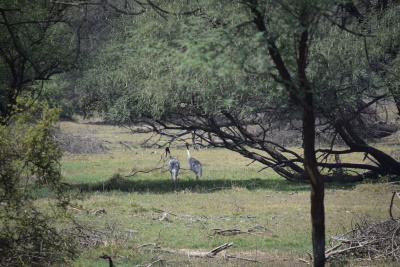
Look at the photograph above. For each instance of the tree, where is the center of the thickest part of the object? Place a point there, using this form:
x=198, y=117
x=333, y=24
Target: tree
x=40, y=39
x=30, y=48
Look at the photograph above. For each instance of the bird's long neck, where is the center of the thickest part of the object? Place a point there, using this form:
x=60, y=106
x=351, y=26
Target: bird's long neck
x=187, y=150
x=168, y=153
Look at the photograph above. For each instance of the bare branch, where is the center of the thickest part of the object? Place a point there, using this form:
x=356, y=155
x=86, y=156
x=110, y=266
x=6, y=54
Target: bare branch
x=346, y=29
x=74, y=3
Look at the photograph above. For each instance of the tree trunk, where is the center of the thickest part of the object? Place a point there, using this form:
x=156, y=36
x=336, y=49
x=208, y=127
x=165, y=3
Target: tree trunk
x=396, y=97
x=317, y=183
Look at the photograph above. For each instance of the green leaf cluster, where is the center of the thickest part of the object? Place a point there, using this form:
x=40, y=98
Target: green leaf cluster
x=29, y=152
x=37, y=40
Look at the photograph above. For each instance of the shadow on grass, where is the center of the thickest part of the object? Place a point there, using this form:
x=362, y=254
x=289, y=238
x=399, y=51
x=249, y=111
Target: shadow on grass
x=119, y=183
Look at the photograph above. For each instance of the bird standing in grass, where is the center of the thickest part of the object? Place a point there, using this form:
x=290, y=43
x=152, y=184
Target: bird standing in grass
x=173, y=165
x=194, y=164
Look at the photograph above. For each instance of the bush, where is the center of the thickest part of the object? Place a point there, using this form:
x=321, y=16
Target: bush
x=29, y=158
x=28, y=237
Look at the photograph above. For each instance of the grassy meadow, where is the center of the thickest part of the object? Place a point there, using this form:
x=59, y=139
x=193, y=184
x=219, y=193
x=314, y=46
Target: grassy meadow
x=145, y=217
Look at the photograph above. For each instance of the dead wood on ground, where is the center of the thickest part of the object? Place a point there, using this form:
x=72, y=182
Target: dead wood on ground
x=369, y=239
x=99, y=211
x=209, y=254
x=151, y=263
x=251, y=231
x=202, y=254
x=93, y=237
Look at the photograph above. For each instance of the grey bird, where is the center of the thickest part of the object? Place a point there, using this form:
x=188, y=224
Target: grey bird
x=194, y=164
x=173, y=165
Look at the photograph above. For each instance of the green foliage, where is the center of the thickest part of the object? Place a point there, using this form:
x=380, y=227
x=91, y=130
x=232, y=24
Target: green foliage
x=384, y=49
x=159, y=64
x=29, y=152
x=214, y=62
x=348, y=65
x=35, y=43
x=61, y=93
x=29, y=158
x=217, y=60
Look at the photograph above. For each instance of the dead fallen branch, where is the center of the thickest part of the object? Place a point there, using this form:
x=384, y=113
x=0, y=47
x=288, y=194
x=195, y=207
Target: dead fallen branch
x=164, y=215
x=209, y=254
x=251, y=231
x=163, y=211
x=128, y=146
x=148, y=244
x=79, y=210
x=93, y=237
x=305, y=261
x=367, y=241
x=231, y=256
x=151, y=264
x=259, y=226
x=226, y=232
x=99, y=211
x=132, y=231
x=200, y=254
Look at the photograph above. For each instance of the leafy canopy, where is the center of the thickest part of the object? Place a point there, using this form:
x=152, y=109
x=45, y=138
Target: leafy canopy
x=216, y=60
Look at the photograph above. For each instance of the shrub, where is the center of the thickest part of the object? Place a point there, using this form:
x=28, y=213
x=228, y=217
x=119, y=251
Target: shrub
x=29, y=158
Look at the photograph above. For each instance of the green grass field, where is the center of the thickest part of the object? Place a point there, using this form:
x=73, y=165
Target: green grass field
x=273, y=214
